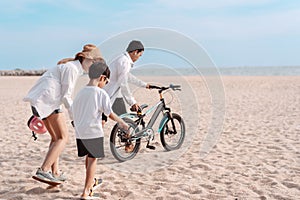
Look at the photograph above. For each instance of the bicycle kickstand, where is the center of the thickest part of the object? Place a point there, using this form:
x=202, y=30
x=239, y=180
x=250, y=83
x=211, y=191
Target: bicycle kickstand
x=150, y=146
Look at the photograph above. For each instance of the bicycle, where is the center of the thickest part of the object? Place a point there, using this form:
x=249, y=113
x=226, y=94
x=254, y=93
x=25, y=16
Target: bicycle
x=171, y=128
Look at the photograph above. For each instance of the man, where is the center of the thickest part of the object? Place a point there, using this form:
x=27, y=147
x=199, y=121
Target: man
x=118, y=88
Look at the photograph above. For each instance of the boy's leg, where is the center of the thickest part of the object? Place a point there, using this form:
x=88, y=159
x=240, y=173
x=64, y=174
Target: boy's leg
x=91, y=164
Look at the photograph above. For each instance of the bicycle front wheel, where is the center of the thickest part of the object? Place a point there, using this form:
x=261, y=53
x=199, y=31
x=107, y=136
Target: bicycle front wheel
x=119, y=140
x=172, y=135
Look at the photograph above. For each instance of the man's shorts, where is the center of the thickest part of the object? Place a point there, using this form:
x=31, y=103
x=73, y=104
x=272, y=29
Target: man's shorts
x=93, y=148
x=119, y=106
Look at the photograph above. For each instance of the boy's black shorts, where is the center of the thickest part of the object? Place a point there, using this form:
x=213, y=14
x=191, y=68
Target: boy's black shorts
x=93, y=148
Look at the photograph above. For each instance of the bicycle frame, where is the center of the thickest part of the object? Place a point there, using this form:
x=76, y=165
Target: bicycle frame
x=139, y=131
x=159, y=107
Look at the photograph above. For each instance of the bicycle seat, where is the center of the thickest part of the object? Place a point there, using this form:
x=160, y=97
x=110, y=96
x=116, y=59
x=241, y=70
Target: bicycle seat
x=143, y=106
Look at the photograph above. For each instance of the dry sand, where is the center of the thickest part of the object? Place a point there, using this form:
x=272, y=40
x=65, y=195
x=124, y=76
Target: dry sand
x=257, y=155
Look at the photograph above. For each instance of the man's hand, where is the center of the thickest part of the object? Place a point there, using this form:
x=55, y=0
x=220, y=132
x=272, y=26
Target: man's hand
x=135, y=107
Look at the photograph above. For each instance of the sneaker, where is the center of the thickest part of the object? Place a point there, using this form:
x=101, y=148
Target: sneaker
x=46, y=175
x=129, y=148
x=60, y=177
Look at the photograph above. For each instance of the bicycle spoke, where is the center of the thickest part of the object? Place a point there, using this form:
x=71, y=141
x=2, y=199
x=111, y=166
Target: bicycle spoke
x=119, y=140
x=173, y=137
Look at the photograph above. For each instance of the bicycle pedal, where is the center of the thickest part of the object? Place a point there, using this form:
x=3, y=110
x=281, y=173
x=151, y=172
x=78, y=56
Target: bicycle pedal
x=150, y=147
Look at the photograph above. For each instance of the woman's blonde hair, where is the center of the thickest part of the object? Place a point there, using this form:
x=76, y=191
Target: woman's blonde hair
x=89, y=51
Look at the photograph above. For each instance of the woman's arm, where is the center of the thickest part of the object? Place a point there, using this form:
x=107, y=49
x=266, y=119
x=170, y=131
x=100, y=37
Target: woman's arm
x=69, y=76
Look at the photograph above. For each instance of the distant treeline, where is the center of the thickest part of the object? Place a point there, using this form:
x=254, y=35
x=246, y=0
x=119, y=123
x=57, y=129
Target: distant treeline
x=20, y=72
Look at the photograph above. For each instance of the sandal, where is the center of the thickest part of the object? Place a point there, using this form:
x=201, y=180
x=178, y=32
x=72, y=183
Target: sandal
x=88, y=197
x=95, y=186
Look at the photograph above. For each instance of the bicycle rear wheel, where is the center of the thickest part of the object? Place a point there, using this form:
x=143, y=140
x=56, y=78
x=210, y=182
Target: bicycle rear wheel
x=172, y=137
x=118, y=141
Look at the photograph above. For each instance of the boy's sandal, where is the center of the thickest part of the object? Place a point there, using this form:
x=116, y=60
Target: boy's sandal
x=89, y=197
x=95, y=186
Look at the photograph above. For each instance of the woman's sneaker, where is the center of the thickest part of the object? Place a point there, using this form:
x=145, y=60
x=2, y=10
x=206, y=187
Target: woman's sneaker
x=60, y=177
x=46, y=175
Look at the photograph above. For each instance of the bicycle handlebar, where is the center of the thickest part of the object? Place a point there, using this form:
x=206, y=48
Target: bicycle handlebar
x=154, y=87
x=175, y=87
x=171, y=86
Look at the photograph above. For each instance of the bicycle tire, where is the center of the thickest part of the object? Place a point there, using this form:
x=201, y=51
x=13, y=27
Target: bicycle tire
x=117, y=146
x=167, y=133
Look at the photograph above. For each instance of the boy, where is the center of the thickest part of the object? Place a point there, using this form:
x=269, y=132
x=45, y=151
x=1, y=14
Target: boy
x=87, y=108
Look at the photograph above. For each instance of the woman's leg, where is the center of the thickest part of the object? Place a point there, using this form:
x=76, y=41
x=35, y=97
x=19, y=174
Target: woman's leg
x=56, y=125
x=54, y=167
x=91, y=164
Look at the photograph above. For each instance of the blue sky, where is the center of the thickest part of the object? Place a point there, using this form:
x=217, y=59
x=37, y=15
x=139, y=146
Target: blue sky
x=37, y=33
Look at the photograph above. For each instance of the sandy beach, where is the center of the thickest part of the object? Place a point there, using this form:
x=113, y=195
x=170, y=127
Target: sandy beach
x=257, y=155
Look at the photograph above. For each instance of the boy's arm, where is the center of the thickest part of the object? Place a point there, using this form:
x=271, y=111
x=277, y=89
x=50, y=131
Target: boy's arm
x=120, y=121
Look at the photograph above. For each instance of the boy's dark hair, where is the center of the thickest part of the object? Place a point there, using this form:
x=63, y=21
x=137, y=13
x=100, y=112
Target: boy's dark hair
x=99, y=68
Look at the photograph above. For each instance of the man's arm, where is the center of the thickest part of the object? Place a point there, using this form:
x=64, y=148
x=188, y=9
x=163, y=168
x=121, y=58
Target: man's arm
x=136, y=81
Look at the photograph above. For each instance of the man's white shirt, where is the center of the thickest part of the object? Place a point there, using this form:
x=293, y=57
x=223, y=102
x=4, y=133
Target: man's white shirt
x=120, y=76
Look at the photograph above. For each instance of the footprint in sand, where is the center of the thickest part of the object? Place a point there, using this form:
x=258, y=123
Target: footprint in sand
x=291, y=185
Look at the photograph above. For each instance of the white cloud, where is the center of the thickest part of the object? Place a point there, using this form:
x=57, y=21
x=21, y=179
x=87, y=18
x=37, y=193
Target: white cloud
x=25, y=6
x=194, y=4
x=261, y=25
x=224, y=25
x=219, y=21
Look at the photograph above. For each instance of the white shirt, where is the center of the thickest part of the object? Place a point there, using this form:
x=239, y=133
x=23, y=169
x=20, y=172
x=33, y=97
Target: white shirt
x=55, y=88
x=87, y=108
x=119, y=77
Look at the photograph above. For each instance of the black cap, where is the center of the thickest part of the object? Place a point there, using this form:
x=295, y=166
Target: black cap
x=135, y=45
x=97, y=69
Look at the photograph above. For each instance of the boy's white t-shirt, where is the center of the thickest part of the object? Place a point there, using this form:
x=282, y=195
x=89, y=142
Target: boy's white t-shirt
x=87, y=108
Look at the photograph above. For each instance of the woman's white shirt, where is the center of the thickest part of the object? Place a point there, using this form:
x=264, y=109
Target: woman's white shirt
x=55, y=88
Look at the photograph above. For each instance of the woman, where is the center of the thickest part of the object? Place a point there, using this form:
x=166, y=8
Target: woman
x=46, y=97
